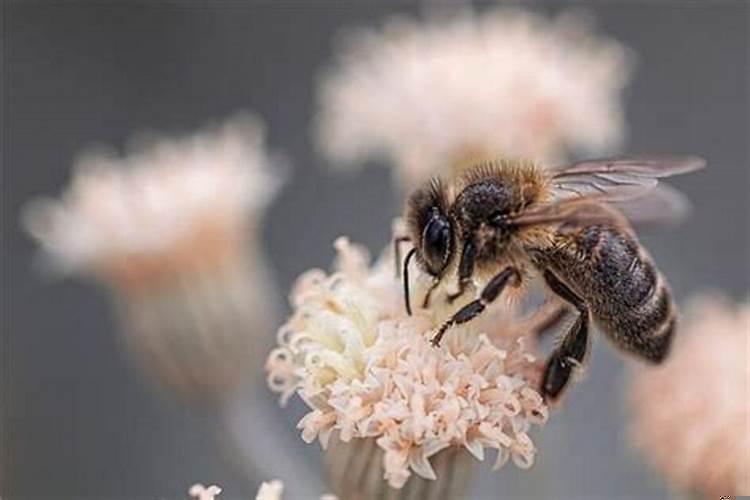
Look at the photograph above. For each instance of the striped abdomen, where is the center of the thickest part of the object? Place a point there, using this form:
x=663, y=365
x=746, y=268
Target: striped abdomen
x=626, y=295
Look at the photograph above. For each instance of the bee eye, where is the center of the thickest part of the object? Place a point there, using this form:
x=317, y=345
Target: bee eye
x=436, y=242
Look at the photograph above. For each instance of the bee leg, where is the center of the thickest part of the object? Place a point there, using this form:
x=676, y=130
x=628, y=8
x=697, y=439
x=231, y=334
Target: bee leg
x=465, y=269
x=574, y=347
x=428, y=295
x=471, y=310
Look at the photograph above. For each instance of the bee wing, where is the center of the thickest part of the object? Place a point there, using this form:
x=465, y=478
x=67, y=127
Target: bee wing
x=576, y=210
x=618, y=179
x=658, y=206
x=661, y=206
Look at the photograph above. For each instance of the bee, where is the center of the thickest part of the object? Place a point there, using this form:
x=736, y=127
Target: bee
x=509, y=221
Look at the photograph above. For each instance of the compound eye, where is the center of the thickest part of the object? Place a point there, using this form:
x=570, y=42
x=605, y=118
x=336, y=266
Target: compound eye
x=436, y=242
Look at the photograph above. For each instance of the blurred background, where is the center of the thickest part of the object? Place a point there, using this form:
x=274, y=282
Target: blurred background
x=79, y=422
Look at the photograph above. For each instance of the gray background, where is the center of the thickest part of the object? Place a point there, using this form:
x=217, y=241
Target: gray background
x=77, y=421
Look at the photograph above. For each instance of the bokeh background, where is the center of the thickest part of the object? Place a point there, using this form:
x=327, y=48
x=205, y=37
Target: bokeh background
x=79, y=422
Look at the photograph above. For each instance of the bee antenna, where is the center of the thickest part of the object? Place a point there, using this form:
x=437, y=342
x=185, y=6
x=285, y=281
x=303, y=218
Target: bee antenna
x=406, y=279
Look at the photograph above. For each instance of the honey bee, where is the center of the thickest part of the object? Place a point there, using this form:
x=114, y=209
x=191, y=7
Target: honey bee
x=506, y=221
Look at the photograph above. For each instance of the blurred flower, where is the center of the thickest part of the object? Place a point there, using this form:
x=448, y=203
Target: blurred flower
x=201, y=492
x=691, y=415
x=171, y=229
x=271, y=490
x=368, y=373
x=132, y=218
x=432, y=95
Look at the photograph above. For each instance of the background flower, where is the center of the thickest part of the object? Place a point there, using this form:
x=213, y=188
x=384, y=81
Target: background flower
x=429, y=95
x=172, y=229
x=167, y=203
x=691, y=416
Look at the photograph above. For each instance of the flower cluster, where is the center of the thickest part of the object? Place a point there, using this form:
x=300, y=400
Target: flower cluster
x=691, y=416
x=507, y=82
x=367, y=370
x=167, y=204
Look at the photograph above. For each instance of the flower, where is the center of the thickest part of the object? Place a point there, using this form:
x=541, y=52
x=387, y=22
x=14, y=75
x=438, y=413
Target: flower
x=271, y=490
x=201, y=492
x=428, y=95
x=166, y=206
x=171, y=230
x=368, y=371
x=691, y=415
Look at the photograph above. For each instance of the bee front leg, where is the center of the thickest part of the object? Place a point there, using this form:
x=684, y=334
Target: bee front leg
x=574, y=347
x=465, y=269
x=489, y=293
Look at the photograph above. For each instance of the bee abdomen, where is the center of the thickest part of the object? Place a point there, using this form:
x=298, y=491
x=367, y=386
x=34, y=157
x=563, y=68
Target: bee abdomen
x=646, y=330
x=626, y=295
x=638, y=313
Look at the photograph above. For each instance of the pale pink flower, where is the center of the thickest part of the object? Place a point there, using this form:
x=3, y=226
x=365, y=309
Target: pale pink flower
x=274, y=490
x=201, y=492
x=167, y=205
x=171, y=229
x=691, y=416
x=429, y=94
x=271, y=490
x=368, y=371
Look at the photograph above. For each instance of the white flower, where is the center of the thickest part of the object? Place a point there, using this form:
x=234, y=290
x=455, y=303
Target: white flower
x=430, y=94
x=186, y=199
x=367, y=370
x=271, y=490
x=201, y=492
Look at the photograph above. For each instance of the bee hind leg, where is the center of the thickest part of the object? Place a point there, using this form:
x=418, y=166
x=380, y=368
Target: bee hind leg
x=489, y=293
x=574, y=347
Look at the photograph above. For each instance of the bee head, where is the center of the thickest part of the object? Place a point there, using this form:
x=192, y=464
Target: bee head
x=430, y=228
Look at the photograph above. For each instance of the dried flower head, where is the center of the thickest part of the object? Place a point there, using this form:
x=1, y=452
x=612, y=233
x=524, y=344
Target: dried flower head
x=431, y=94
x=165, y=206
x=691, y=416
x=368, y=371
